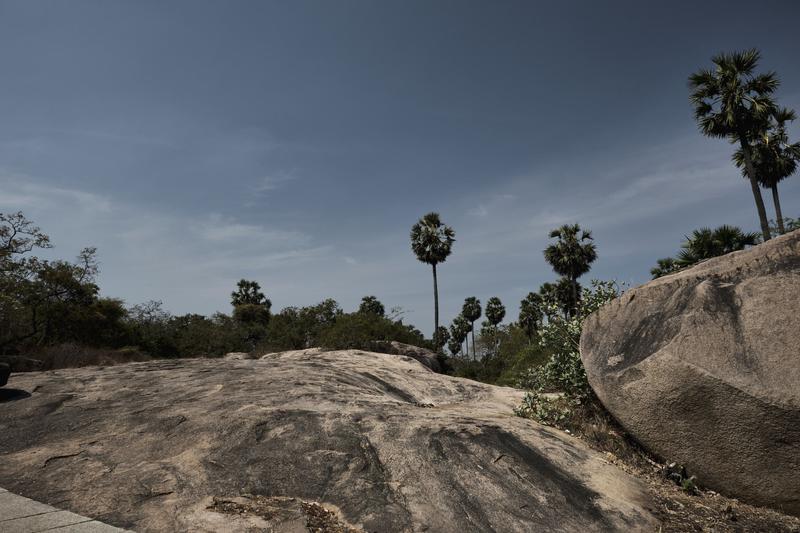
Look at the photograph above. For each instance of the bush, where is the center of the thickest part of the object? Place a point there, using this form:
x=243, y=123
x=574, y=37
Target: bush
x=71, y=355
x=563, y=372
x=361, y=330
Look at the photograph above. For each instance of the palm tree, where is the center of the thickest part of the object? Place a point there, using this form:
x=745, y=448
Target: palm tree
x=705, y=243
x=440, y=338
x=732, y=102
x=471, y=310
x=495, y=312
x=664, y=266
x=459, y=330
x=774, y=158
x=530, y=314
x=371, y=305
x=571, y=255
x=432, y=242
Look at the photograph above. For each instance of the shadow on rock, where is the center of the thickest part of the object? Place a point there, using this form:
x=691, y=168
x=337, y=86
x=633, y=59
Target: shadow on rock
x=10, y=395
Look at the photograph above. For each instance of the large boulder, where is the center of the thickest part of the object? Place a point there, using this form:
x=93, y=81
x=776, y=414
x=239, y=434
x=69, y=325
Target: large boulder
x=703, y=368
x=379, y=441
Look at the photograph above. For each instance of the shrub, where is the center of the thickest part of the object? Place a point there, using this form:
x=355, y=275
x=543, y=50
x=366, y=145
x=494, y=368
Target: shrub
x=564, y=371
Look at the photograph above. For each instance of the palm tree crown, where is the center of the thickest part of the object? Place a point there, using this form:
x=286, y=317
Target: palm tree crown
x=574, y=252
x=431, y=240
x=705, y=243
x=731, y=101
x=774, y=158
x=495, y=311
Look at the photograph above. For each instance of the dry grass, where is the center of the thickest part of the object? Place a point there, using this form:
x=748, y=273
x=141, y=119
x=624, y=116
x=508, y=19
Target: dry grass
x=75, y=355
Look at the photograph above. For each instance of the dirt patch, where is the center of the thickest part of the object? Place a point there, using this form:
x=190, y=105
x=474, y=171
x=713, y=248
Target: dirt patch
x=278, y=511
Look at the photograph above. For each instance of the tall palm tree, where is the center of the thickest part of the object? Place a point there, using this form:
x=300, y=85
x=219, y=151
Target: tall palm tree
x=432, y=242
x=471, y=310
x=495, y=312
x=571, y=255
x=732, y=102
x=774, y=158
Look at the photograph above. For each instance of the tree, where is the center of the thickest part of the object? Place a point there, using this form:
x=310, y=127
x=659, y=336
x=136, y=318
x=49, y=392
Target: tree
x=432, y=242
x=732, y=102
x=495, y=311
x=531, y=314
x=471, y=311
x=705, y=243
x=251, y=309
x=370, y=304
x=571, y=256
x=664, y=266
x=773, y=157
x=440, y=338
x=248, y=292
x=459, y=330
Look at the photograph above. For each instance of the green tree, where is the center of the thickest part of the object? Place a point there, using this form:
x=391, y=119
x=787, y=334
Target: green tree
x=370, y=304
x=454, y=344
x=664, y=266
x=459, y=331
x=432, y=242
x=705, y=243
x=471, y=310
x=571, y=256
x=249, y=293
x=495, y=311
x=531, y=314
x=731, y=101
x=774, y=158
x=251, y=309
x=440, y=338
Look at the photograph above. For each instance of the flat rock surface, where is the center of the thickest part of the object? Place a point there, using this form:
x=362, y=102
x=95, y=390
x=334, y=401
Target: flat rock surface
x=368, y=441
x=703, y=368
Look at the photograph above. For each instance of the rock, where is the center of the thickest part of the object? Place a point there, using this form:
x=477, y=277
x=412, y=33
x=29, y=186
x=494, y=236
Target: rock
x=239, y=356
x=703, y=368
x=423, y=355
x=5, y=372
x=359, y=439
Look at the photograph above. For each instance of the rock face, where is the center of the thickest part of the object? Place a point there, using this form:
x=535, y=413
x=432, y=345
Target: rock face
x=424, y=356
x=703, y=367
x=5, y=371
x=380, y=441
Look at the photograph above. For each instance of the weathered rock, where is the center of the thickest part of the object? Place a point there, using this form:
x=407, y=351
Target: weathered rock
x=703, y=368
x=239, y=356
x=378, y=439
x=424, y=356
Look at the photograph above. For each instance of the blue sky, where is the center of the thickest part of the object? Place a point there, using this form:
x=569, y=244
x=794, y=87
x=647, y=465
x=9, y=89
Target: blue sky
x=295, y=143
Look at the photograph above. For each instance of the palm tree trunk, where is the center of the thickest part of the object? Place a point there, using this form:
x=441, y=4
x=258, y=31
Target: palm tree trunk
x=466, y=352
x=435, y=301
x=778, y=213
x=751, y=174
x=474, y=357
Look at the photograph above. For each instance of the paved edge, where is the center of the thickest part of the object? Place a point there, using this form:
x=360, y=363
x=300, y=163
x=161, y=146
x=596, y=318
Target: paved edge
x=23, y=515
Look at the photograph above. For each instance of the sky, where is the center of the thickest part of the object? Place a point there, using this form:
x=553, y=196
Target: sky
x=195, y=143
